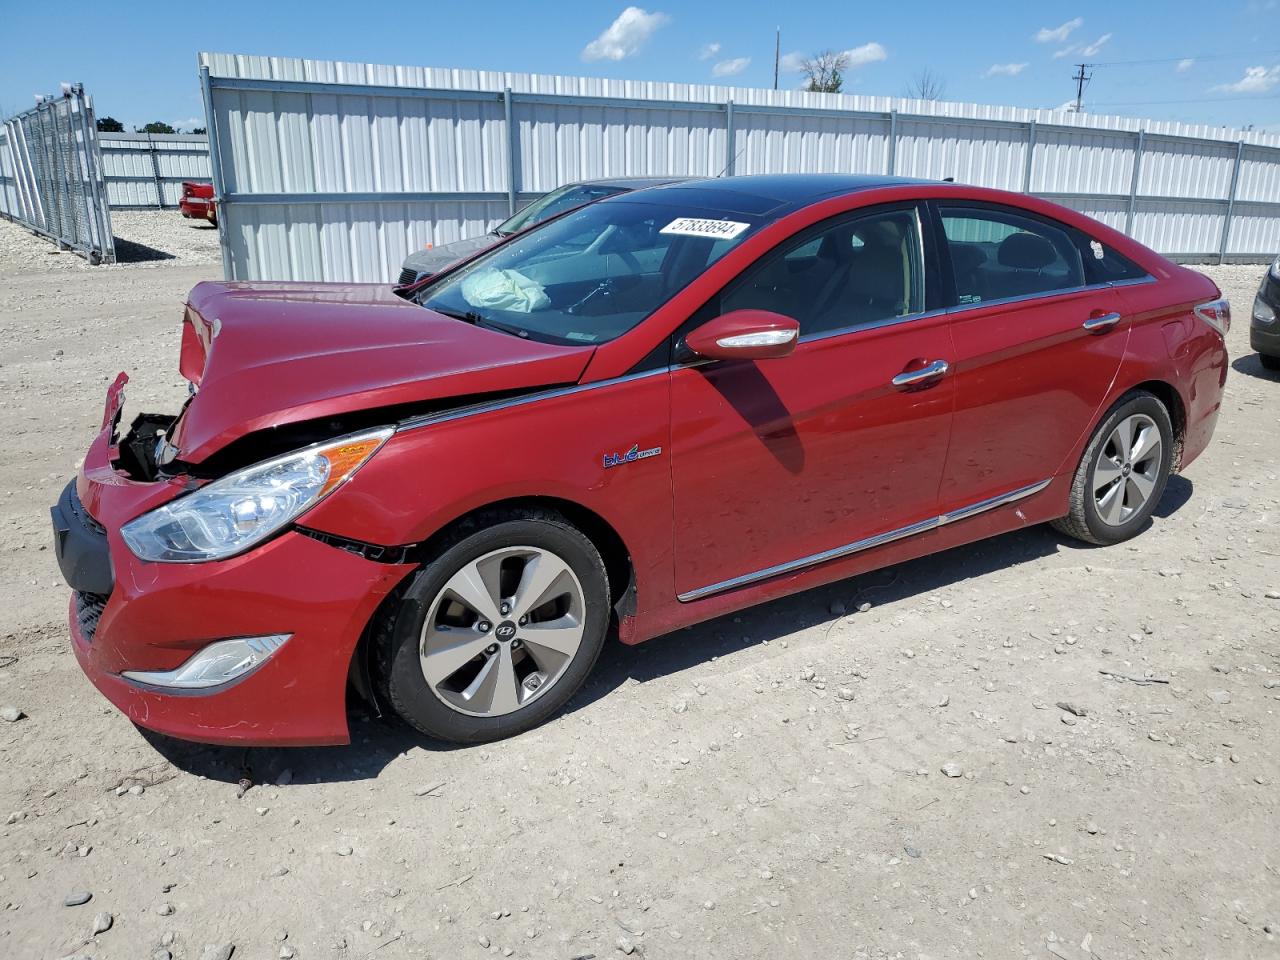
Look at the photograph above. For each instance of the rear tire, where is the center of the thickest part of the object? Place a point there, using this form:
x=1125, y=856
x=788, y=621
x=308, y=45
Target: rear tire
x=1270, y=362
x=1122, y=472
x=499, y=628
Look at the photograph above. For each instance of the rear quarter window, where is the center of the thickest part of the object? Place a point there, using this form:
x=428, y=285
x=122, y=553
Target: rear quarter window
x=1103, y=264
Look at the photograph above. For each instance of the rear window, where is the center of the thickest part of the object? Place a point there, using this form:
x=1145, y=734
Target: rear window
x=997, y=254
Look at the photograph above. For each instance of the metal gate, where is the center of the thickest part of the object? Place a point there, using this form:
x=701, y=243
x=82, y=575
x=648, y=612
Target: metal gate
x=51, y=175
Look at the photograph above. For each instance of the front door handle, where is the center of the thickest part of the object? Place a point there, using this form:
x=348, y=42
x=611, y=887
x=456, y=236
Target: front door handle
x=1104, y=322
x=931, y=371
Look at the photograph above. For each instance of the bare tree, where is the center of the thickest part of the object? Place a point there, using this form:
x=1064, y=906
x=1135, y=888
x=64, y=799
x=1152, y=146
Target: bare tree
x=824, y=71
x=926, y=85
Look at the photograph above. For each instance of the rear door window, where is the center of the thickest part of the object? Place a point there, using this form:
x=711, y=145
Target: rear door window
x=997, y=254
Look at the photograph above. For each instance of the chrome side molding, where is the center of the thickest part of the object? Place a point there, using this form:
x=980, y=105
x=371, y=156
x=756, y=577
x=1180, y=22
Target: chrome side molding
x=869, y=543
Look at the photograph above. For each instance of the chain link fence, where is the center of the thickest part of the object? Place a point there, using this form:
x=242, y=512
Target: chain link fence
x=51, y=175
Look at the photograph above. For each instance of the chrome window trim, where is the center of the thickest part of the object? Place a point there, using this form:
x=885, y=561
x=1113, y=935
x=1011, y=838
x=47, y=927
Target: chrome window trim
x=1133, y=281
x=966, y=307
x=1105, y=285
x=874, y=325
x=869, y=543
x=431, y=419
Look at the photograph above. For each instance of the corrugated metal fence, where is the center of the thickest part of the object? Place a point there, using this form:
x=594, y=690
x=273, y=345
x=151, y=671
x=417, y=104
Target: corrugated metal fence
x=51, y=175
x=145, y=170
x=336, y=171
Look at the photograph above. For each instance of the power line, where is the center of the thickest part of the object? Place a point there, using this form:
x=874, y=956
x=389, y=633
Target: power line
x=1201, y=56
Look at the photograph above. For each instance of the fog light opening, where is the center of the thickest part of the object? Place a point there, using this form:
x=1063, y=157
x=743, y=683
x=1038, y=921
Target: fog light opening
x=217, y=664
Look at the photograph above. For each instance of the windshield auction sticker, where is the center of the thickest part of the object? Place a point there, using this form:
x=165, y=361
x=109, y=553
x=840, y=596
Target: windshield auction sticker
x=695, y=227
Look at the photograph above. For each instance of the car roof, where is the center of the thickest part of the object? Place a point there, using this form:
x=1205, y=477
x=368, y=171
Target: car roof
x=765, y=194
x=633, y=183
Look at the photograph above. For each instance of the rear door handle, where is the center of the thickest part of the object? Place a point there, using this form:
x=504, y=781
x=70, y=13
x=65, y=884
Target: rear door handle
x=1104, y=322
x=926, y=373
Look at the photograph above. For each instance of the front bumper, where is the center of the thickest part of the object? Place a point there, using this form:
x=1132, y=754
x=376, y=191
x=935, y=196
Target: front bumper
x=157, y=615
x=1265, y=337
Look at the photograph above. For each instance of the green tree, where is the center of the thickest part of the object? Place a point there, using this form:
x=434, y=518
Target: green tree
x=199, y=130
x=157, y=126
x=110, y=125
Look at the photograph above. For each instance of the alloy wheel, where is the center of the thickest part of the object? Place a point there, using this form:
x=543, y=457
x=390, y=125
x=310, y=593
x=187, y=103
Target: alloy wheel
x=502, y=631
x=1128, y=469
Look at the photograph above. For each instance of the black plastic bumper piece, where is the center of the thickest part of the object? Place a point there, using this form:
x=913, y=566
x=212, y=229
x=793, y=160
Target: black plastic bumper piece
x=80, y=543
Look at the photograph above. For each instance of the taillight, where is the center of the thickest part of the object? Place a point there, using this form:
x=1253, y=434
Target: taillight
x=1217, y=314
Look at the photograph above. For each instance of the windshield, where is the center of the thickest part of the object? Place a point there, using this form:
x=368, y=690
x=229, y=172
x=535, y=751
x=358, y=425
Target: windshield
x=590, y=276
x=557, y=201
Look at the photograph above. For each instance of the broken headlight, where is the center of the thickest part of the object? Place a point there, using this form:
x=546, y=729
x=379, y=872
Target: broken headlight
x=242, y=509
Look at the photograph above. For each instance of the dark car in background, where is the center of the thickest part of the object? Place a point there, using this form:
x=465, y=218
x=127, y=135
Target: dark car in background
x=197, y=202
x=425, y=263
x=1264, y=327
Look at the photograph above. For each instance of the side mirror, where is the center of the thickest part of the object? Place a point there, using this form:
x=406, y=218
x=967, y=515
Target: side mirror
x=744, y=335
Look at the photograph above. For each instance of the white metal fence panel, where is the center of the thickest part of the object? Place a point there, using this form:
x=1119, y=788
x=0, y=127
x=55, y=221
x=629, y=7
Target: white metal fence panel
x=334, y=171
x=146, y=171
x=51, y=175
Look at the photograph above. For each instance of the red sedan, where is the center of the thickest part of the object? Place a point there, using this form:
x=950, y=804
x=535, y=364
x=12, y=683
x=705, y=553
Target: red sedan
x=656, y=409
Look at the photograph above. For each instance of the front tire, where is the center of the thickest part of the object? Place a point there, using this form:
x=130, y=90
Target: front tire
x=498, y=629
x=1269, y=362
x=1122, y=473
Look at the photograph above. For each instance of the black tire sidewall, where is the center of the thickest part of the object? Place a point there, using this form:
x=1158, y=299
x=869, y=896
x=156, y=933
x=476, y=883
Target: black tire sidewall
x=1143, y=403
x=406, y=686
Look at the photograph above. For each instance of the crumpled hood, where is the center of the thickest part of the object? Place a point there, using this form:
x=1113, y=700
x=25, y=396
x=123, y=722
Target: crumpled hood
x=270, y=353
x=437, y=258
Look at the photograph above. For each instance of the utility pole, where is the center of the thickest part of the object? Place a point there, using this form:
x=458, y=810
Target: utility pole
x=1081, y=78
x=777, y=50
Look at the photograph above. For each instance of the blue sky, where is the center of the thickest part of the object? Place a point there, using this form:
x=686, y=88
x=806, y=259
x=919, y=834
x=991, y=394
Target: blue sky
x=1216, y=62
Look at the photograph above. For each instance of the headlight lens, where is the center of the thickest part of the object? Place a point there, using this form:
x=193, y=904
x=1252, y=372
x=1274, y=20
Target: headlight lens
x=232, y=514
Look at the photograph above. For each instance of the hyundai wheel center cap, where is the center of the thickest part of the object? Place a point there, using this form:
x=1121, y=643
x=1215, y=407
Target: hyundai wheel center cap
x=506, y=630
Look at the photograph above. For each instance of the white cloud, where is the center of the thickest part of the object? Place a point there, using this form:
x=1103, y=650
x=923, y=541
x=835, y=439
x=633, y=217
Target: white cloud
x=1185, y=65
x=187, y=124
x=708, y=51
x=624, y=36
x=867, y=53
x=792, y=62
x=1255, y=80
x=730, y=68
x=1005, y=69
x=1094, y=48
x=1064, y=52
x=858, y=57
x=1059, y=33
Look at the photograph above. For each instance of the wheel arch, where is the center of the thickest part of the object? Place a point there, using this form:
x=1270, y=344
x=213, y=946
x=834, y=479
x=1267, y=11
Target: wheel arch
x=1167, y=394
x=613, y=551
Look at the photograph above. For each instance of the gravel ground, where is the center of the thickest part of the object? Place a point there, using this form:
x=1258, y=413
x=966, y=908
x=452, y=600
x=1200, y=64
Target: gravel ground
x=945, y=775
x=143, y=238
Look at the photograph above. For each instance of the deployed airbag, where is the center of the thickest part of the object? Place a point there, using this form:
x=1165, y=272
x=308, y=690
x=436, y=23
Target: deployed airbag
x=504, y=290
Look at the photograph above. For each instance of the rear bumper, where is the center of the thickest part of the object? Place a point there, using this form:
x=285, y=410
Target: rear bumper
x=196, y=209
x=157, y=615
